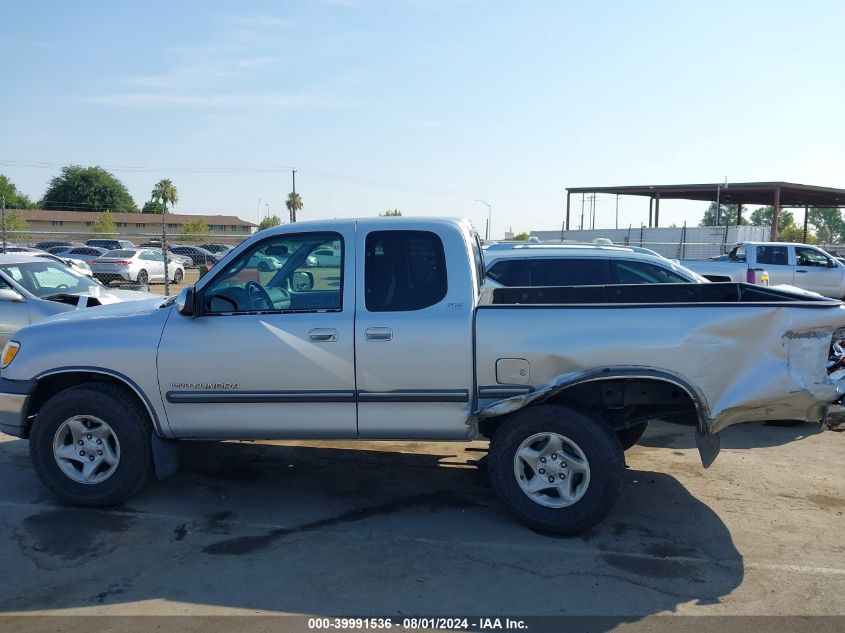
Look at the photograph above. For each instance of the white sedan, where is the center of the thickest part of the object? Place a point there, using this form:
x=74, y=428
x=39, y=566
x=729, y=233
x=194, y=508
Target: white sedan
x=141, y=265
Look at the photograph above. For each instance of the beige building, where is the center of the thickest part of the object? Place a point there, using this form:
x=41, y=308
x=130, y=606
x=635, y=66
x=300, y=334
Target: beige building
x=42, y=222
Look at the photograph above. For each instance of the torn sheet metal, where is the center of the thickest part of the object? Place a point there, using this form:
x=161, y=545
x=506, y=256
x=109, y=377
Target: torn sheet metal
x=740, y=363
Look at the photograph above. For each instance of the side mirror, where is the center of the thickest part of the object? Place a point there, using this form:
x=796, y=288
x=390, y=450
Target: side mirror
x=8, y=294
x=302, y=281
x=185, y=301
x=831, y=263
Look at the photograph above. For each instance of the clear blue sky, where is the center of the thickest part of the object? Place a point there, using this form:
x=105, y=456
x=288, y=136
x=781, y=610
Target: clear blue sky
x=424, y=105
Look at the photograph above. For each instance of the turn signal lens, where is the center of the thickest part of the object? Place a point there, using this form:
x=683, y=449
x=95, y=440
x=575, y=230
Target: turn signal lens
x=9, y=353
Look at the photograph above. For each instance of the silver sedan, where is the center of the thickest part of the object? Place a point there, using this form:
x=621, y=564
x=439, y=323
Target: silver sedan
x=33, y=288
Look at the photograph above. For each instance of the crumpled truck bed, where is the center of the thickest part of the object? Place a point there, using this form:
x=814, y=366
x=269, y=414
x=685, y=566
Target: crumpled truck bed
x=745, y=362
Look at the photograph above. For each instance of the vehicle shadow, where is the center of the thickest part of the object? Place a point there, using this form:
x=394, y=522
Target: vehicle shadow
x=739, y=436
x=333, y=530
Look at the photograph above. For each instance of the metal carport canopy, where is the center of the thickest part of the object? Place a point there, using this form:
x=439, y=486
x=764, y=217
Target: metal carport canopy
x=777, y=194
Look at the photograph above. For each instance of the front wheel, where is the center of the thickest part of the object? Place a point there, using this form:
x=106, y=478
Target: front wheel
x=90, y=445
x=556, y=468
x=178, y=276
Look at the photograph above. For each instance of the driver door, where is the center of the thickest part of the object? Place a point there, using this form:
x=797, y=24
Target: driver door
x=271, y=352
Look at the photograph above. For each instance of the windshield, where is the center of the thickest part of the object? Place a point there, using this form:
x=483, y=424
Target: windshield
x=45, y=278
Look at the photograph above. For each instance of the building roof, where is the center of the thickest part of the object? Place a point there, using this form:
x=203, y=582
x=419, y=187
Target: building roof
x=44, y=215
x=791, y=194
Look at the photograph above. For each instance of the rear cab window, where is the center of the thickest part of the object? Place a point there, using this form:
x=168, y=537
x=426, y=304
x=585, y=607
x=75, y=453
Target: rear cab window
x=773, y=255
x=404, y=271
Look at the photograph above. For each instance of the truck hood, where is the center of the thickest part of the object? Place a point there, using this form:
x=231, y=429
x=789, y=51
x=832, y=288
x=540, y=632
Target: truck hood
x=114, y=309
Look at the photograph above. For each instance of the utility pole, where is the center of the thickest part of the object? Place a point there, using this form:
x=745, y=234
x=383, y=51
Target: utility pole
x=293, y=209
x=581, y=226
x=489, y=219
x=164, y=252
x=3, y=211
x=617, y=210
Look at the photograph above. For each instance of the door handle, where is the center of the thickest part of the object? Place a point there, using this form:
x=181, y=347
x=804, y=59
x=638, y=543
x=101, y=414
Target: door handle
x=378, y=334
x=323, y=335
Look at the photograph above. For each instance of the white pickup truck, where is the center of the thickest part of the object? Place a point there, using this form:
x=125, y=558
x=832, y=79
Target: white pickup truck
x=799, y=265
x=396, y=340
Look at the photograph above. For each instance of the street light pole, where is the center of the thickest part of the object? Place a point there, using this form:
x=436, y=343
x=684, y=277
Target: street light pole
x=489, y=218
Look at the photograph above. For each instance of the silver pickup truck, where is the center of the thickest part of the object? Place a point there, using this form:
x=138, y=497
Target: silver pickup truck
x=799, y=265
x=395, y=340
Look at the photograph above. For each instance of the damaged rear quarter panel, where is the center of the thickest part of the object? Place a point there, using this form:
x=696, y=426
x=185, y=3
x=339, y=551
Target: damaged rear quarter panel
x=745, y=362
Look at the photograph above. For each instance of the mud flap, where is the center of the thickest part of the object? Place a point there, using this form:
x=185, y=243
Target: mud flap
x=708, y=447
x=165, y=456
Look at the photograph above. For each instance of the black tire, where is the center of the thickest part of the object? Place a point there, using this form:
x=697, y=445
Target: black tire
x=178, y=276
x=143, y=277
x=599, y=445
x=630, y=436
x=130, y=424
x=785, y=422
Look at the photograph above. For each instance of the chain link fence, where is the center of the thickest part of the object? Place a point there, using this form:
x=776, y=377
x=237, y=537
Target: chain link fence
x=78, y=247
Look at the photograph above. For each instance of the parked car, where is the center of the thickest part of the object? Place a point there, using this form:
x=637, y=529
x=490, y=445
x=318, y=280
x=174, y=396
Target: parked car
x=14, y=248
x=404, y=345
x=110, y=245
x=156, y=245
x=788, y=263
x=32, y=289
x=580, y=265
x=48, y=244
x=53, y=250
x=324, y=257
x=79, y=265
x=85, y=253
x=141, y=265
x=217, y=249
x=199, y=256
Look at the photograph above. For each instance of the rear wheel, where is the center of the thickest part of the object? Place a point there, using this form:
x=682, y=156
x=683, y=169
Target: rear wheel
x=556, y=468
x=178, y=276
x=90, y=445
x=143, y=277
x=630, y=436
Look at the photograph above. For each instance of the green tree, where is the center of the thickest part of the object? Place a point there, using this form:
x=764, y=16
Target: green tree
x=266, y=223
x=794, y=233
x=828, y=224
x=87, y=189
x=165, y=193
x=195, y=230
x=105, y=224
x=152, y=206
x=14, y=198
x=727, y=215
x=294, y=204
x=396, y=213
x=15, y=226
x=763, y=217
x=521, y=237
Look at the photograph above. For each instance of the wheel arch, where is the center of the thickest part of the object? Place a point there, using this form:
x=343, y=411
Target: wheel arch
x=53, y=381
x=582, y=389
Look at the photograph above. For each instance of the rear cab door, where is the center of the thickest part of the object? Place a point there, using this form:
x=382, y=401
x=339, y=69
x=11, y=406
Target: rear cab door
x=415, y=298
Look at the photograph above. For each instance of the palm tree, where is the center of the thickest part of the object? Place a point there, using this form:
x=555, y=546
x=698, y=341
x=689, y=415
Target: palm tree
x=165, y=193
x=294, y=204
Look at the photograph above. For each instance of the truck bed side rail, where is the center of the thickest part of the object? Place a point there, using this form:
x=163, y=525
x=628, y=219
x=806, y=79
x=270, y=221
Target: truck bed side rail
x=649, y=294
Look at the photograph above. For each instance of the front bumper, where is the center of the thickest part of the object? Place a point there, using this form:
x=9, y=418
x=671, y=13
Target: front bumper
x=14, y=402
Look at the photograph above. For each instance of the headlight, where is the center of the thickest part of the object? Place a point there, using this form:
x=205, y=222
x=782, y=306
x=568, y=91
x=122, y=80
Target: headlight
x=9, y=352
